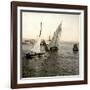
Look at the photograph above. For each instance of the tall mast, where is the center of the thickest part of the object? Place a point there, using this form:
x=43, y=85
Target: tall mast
x=40, y=29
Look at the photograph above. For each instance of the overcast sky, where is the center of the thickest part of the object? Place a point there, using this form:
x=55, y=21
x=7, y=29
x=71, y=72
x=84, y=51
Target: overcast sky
x=50, y=21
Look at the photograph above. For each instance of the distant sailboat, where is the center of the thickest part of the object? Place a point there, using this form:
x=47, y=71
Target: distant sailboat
x=49, y=38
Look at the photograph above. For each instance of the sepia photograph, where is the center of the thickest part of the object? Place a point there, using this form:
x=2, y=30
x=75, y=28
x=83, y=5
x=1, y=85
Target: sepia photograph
x=50, y=44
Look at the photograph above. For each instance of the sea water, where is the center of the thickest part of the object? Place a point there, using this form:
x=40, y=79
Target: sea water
x=61, y=63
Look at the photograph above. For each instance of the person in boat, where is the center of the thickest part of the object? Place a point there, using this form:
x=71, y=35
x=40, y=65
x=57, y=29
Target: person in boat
x=75, y=47
x=44, y=45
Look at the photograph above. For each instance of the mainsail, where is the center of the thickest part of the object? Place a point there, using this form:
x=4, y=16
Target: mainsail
x=55, y=42
x=36, y=47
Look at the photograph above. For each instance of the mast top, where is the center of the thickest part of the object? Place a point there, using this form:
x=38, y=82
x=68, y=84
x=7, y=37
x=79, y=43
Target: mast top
x=40, y=29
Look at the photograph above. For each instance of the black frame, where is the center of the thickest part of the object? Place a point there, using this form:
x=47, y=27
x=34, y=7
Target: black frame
x=14, y=5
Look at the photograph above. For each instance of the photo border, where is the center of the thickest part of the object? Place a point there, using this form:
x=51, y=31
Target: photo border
x=14, y=32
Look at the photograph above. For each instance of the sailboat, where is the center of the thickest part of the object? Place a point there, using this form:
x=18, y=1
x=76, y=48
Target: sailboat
x=55, y=42
x=36, y=50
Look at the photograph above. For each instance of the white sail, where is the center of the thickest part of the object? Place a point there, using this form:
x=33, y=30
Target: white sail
x=55, y=42
x=36, y=47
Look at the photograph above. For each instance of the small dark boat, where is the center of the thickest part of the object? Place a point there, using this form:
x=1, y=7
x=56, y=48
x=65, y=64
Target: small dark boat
x=32, y=55
x=53, y=49
x=29, y=56
x=75, y=48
